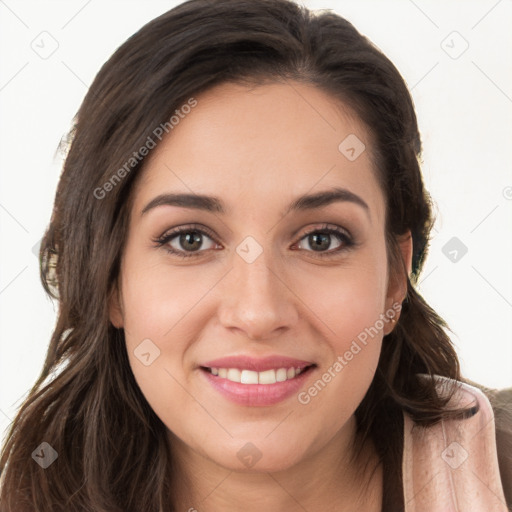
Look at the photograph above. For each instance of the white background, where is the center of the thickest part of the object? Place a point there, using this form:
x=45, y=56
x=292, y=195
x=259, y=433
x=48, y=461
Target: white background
x=464, y=108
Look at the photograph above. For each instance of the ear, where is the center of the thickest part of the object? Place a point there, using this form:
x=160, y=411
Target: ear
x=397, y=286
x=405, y=242
x=115, y=308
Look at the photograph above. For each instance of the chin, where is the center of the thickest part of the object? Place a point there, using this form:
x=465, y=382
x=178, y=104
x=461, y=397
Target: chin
x=256, y=457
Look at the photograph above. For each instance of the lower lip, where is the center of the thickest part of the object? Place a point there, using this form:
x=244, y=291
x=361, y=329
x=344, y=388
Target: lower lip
x=257, y=395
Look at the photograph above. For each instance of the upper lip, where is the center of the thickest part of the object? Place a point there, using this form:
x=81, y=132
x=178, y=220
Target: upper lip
x=257, y=364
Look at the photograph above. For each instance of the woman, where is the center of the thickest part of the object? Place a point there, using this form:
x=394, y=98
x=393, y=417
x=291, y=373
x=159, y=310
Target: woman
x=235, y=243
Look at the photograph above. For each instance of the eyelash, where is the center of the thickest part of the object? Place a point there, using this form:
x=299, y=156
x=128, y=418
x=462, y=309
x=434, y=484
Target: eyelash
x=343, y=235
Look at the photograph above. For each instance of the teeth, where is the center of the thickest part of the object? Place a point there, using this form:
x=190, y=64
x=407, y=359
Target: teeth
x=234, y=374
x=252, y=377
x=248, y=377
x=268, y=377
x=281, y=375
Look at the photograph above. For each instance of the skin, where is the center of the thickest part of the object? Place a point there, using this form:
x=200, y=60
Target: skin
x=258, y=149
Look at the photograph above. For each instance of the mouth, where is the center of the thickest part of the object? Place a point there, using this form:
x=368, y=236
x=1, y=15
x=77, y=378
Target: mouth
x=257, y=382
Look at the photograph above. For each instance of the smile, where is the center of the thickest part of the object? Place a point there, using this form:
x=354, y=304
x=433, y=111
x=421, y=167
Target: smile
x=257, y=382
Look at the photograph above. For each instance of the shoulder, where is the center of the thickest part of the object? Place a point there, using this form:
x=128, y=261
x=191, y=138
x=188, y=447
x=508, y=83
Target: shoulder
x=501, y=403
x=474, y=440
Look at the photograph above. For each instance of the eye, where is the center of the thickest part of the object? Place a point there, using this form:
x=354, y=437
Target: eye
x=189, y=241
x=320, y=240
x=186, y=241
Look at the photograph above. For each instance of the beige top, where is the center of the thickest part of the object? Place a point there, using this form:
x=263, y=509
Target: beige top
x=453, y=465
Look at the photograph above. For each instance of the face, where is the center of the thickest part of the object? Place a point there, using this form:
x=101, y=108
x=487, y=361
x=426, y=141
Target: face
x=254, y=322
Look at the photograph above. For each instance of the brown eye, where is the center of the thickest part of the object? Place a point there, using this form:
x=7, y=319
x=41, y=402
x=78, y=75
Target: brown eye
x=326, y=241
x=319, y=241
x=186, y=241
x=190, y=240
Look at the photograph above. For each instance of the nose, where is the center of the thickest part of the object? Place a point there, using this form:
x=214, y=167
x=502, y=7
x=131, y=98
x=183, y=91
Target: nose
x=255, y=298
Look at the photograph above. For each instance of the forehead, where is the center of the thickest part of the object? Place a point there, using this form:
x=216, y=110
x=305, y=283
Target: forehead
x=262, y=142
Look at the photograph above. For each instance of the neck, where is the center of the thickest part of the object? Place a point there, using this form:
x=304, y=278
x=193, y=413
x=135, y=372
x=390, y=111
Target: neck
x=326, y=481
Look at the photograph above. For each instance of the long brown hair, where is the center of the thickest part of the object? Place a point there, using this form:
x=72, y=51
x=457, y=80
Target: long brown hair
x=113, y=453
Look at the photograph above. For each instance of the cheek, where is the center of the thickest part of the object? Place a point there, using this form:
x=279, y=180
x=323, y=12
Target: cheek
x=159, y=306
x=347, y=306
x=157, y=298
x=158, y=302
x=348, y=300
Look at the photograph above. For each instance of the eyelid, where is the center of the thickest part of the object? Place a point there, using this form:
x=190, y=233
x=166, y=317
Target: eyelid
x=327, y=227
x=187, y=227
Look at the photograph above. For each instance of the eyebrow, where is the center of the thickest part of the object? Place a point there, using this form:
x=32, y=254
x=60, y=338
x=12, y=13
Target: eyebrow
x=215, y=205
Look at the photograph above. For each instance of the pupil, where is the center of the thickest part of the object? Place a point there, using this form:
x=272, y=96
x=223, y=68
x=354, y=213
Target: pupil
x=191, y=239
x=318, y=243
